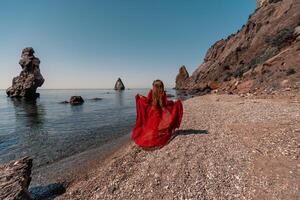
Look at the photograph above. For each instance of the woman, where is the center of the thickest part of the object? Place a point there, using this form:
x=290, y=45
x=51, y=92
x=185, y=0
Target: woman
x=157, y=118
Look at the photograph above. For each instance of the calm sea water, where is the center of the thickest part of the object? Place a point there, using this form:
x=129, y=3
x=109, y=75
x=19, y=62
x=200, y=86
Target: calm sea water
x=48, y=131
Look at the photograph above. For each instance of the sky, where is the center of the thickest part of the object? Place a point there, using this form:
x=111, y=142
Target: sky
x=90, y=43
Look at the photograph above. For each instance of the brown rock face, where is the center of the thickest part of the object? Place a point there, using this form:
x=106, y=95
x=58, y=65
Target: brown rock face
x=30, y=78
x=182, y=76
x=260, y=3
x=119, y=85
x=264, y=52
x=15, y=179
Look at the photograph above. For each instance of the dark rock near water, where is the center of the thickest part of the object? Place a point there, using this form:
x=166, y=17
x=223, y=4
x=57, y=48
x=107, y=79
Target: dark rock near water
x=182, y=76
x=47, y=192
x=64, y=102
x=15, y=179
x=96, y=99
x=76, y=100
x=30, y=78
x=119, y=85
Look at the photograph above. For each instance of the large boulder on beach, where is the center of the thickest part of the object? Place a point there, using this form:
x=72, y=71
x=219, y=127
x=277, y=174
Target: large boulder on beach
x=30, y=78
x=119, y=85
x=76, y=100
x=15, y=179
x=182, y=76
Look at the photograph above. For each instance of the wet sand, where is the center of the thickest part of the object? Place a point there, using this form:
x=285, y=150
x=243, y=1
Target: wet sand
x=228, y=147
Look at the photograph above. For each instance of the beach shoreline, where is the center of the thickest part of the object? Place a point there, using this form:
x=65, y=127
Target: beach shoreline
x=76, y=167
x=228, y=145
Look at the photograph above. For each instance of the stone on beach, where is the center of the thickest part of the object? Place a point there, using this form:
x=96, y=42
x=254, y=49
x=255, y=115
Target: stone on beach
x=30, y=78
x=15, y=179
x=119, y=85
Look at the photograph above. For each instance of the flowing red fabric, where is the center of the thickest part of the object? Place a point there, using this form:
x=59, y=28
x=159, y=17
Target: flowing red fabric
x=154, y=126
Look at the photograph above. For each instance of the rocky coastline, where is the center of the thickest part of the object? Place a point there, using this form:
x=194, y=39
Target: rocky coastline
x=228, y=146
x=261, y=57
x=238, y=141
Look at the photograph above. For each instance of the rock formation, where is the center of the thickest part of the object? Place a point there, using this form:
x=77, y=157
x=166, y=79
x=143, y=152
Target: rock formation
x=15, y=179
x=76, y=100
x=30, y=78
x=260, y=3
x=119, y=85
x=182, y=76
x=262, y=56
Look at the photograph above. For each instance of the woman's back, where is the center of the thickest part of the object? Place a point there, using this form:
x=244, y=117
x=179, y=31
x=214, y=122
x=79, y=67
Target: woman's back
x=157, y=118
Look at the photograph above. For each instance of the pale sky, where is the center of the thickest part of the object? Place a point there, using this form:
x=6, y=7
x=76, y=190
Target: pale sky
x=89, y=44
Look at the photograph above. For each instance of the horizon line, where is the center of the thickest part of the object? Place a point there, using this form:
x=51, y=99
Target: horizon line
x=89, y=88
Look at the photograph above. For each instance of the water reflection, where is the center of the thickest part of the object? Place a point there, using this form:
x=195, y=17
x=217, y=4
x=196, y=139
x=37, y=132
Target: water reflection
x=29, y=113
x=77, y=108
x=48, y=131
x=119, y=98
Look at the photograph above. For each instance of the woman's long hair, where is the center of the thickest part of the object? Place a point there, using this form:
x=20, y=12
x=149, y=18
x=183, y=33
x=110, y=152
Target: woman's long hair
x=158, y=92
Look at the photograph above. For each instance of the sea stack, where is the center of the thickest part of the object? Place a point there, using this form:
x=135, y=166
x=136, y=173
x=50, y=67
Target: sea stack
x=30, y=78
x=119, y=85
x=182, y=76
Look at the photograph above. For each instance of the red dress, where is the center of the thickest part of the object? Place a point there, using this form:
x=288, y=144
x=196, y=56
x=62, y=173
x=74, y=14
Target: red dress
x=155, y=126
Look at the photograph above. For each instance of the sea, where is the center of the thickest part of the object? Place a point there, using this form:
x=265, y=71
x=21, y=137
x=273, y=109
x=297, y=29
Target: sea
x=48, y=130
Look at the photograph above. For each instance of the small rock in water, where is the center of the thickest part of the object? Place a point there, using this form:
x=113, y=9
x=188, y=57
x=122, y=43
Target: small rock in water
x=96, y=99
x=64, y=102
x=76, y=100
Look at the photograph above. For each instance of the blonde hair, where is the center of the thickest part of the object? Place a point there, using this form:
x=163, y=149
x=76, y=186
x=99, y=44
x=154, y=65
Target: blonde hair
x=158, y=92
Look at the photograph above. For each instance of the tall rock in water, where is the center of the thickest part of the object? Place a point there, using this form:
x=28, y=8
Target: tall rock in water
x=260, y=57
x=182, y=76
x=119, y=85
x=30, y=78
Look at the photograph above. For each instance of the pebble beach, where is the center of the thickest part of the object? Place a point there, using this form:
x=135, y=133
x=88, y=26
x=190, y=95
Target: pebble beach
x=228, y=147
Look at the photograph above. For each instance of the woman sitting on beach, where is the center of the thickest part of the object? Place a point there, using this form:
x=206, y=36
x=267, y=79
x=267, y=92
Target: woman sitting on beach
x=157, y=117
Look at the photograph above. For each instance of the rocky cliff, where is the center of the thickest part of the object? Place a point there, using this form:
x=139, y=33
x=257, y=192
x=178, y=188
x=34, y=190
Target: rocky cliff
x=264, y=55
x=30, y=78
